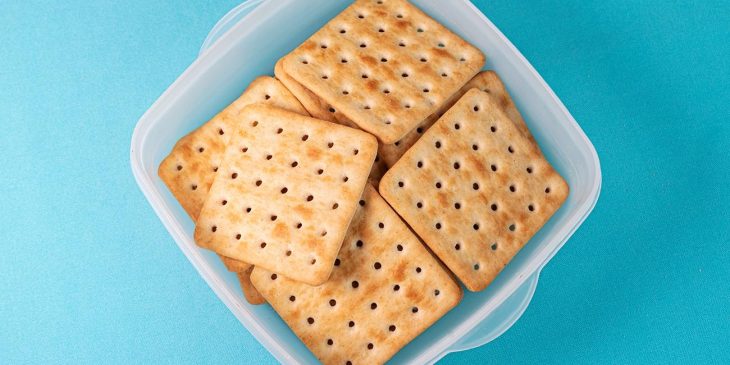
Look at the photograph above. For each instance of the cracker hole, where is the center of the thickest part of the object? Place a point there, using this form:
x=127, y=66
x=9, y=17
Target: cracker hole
x=438, y=185
x=348, y=362
x=457, y=247
x=266, y=97
x=377, y=266
x=475, y=186
x=399, y=16
x=381, y=30
x=397, y=143
x=494, y=246
x=510, y=149
x=337, y=262
x=310, y=198
x=457, y=126
x=221, y=132
x=314, y=261
x=418, y=270
x=414, y=310
x=359, y=243
x=248, y=210
x=330, y=342
x=273, y=276
x=419, y=30
x=288, y=253
x=362, y=203
x=531, y=208
x=476, y=266
x=201, y=149
x=355, y=151
x=269, y=157
x=345, y=92
x=331, y=144
x=441, y=45
x=370, y=346
x=214, y=228
x=405, y=74
x=278, y=131
x=419, y=164
x=436, y=292
x=273, y=218
x=419, y=205
x=438, y=225
x=284, y=190
x=407, y=106
x=299, y=225
x=475, y=226
x=493, y=129
x=512, y=227
x=224, y=202
x=425, y=90
x=324, y=233
x=351, y=324
x=475, y=147
x=438, y=144
x=547, y=190
x=391, y=328
x=355, y=284
x=456, y=166
x=323, y=46
x=331, y=110
x=457, y=205
x=179, y=167
x=238, y=236
x=494, y=207
x=360, y=16
x=345, y=179
x=310, y=320
x=325, y=77
x=419, y=130
x=194, y=187
x=373, y=306
x=234, y=175
x=304, y=62
x=401, y=184
x=476, y=108
x=396, y=287
x=363, y=45
x=444, y=74
x=305, y=137
x=263, y=245
x=335, y=206
x=386, y=91
x=366, y=107
x=462, y=59
x=529, y=170
x=292, y=298
x=343, y=31
x=320, y=172
x=364, y=76
x=423, y=59
x=244, y=149
x=493, y=167
x=399, y=247
x=512, y=188
x=381, y=225
x=383, y=59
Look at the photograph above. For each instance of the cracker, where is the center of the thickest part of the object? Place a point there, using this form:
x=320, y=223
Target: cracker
x=475, y=189
x=385, y=290
x=384, y=65
x=249, y=291
x=316, y=107
x=487, y=81
x=287, y=192
x=234, y=265
x=189, y=169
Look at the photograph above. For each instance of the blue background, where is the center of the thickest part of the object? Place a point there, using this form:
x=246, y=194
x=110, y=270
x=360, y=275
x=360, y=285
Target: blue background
x=88, y=273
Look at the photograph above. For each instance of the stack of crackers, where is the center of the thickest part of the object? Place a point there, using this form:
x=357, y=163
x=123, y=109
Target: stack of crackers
x=352, y=190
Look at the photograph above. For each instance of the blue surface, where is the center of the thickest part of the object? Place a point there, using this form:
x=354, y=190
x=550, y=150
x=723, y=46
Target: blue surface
x=88, y=273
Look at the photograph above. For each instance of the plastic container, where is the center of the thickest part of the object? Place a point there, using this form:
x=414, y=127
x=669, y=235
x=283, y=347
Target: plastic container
x=245, y=44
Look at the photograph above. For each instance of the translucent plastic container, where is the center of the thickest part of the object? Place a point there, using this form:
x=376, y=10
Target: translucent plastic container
x=245, y=44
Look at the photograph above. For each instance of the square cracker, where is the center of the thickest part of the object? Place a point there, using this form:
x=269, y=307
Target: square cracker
x=189, y=169
x=249, y=291
x=474, y=188
x=287, y=192
x=487, y=81
x=384, y=291
x=385, y=65
x=234, y=265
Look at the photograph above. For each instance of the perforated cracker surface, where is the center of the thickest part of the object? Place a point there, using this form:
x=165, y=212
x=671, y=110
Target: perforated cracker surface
x=385, y=65
x=487, y=81
x=189, y=169
x=249, y=291
x=475, y=189
x=384, y=291
x=286, y=192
